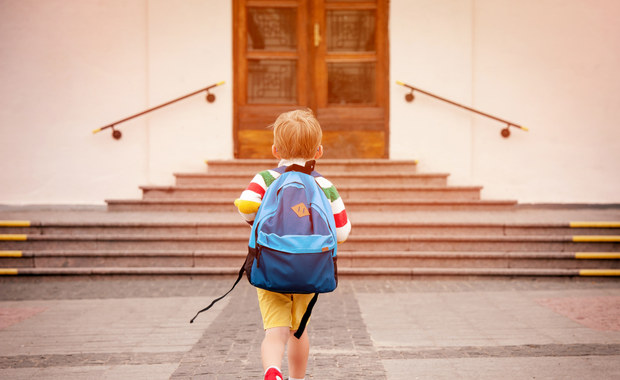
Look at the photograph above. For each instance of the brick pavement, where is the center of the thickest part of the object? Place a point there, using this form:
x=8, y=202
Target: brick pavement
x=367, y=329
x=230, y=347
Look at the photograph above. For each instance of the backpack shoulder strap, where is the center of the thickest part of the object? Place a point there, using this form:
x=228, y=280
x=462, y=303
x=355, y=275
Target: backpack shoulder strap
x=306, y=317
x=280, y=169
x=219, y=298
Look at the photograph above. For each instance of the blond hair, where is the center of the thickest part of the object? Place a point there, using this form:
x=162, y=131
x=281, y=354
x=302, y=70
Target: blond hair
x=297, y=134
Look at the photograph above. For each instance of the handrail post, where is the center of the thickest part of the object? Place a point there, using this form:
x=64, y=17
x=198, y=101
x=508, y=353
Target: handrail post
x=117, y=134
x=505, y=132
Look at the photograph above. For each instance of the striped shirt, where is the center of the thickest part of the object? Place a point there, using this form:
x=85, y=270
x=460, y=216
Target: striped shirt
x=252, y=196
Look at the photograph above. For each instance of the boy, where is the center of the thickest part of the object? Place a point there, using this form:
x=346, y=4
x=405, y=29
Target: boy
x=297, y=139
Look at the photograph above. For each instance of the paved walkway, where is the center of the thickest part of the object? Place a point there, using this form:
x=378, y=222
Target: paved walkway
x=137, y=328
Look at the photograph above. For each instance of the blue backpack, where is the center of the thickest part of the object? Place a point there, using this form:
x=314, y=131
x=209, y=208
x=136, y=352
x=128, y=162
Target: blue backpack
x=293, y=244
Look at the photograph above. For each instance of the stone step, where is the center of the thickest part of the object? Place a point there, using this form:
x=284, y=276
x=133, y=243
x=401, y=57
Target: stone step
x=597, y=243
x=241, y=180
x=361, y=228
x=389, y=205
x=350, y=193
x=346, y=192
x=474, y=243
x=346, y=259
x=323, y=166
x=160, y=229
x=468, y=229
x=363, y=272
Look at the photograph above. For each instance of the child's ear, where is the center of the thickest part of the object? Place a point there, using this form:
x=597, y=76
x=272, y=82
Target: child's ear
x=275, y=153
x=319, y=153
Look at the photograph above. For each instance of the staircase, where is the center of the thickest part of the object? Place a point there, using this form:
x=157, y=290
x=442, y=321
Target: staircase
x=393, y=186
x=405, y=223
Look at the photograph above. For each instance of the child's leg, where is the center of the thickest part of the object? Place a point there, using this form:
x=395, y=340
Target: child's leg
x=298, y=352
x=272, y=349
x=298, y=349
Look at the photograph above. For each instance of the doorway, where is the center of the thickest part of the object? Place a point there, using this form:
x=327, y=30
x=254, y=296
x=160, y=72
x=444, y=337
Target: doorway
x=329, y=56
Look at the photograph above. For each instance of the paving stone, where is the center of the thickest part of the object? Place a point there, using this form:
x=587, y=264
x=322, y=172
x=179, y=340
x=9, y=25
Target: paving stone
x=366, y=329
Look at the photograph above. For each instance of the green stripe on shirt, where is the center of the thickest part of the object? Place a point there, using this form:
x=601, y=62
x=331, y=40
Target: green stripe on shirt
x=331, y=193
x=267, y=177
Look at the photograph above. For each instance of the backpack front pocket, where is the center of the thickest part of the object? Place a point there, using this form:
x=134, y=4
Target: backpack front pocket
x=293, y=272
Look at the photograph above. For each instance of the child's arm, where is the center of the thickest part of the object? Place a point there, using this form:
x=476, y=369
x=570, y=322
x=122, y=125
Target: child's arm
x=251, y=198
x=343, y=225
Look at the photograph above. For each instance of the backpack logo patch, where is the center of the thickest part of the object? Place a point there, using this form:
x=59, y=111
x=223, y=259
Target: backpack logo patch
x=301, y=210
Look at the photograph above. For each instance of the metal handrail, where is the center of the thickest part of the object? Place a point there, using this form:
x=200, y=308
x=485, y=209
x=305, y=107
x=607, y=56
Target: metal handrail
x=505, y=132
x=117, y=134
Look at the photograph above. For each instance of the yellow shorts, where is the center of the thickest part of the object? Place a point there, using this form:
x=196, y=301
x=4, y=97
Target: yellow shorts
x=282, y=310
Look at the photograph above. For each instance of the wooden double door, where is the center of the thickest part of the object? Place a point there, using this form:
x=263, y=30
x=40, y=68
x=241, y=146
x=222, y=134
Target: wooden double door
x=329, y=56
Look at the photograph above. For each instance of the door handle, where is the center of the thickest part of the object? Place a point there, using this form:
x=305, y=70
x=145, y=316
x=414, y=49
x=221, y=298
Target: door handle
x=317, y=34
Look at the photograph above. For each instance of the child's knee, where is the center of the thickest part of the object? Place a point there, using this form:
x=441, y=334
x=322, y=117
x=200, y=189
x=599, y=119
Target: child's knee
x=279, y=333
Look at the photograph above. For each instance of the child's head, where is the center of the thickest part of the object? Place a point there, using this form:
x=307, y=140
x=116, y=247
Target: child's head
x=297, y=134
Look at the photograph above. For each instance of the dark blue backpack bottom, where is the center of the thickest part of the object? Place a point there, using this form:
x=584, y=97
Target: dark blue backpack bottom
x=291, y=273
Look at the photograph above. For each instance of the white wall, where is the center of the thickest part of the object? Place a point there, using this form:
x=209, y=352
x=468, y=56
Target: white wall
x=190, y=47
x=57, y=88
x=430, y=44
x=549, y=65
x=70, y=66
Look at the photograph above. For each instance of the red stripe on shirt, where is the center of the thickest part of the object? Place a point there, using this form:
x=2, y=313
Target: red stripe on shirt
x=255, y=187
x=341, y=219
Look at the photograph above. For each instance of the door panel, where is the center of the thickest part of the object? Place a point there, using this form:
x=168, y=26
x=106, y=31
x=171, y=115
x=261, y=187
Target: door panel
x=330, y=56
x=271, y=28
x=272, y=81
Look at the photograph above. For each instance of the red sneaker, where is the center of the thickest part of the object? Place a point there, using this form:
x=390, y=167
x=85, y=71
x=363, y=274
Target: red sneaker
x=273, y=374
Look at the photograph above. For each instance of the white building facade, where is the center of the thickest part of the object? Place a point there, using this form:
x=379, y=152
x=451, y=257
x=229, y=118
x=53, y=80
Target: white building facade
x=69, y=67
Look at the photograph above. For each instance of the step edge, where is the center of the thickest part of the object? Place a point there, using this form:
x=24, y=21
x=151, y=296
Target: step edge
x=429, y=188
x=343, y=271
x=342, y=255
x=353, y=238
x=372, y=202
x=365, y=224
x=249, y=175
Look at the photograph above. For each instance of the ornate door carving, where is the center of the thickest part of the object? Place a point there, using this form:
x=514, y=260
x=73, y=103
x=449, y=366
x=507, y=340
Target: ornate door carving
x=327, y=55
